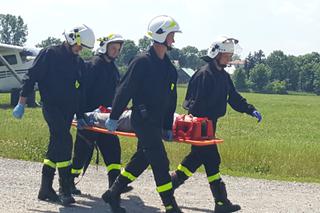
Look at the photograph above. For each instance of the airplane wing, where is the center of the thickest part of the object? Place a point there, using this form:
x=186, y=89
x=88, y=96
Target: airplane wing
x=7, y=47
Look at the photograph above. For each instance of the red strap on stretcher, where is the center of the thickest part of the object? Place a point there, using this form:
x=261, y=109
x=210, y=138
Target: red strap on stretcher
x=130, y=134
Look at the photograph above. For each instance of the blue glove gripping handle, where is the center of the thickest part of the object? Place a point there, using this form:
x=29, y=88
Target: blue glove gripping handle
x=111, y=124
x=18, y=111
x=257, y=115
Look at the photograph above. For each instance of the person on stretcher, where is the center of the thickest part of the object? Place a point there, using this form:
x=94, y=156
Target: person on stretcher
x=183, y=125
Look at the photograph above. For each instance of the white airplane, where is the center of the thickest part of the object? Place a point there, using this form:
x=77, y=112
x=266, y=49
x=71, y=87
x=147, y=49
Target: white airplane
x=14, y=63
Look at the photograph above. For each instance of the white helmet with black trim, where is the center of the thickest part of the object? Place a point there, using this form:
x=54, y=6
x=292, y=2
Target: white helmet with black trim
x=104, y=41
x=81, y=35
x=223, y=44
x=160, y=26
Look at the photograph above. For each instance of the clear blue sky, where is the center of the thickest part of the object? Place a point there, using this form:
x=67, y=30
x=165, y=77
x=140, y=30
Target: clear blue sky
x=292, y=26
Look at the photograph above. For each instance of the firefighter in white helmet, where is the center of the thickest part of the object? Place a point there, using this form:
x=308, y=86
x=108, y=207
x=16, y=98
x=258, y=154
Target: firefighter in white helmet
x=101, y=81
x=209, y=91
x=151, y=84
x=58, y=70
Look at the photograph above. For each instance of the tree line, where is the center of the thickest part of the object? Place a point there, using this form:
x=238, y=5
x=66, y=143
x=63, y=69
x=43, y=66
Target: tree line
x=276, y=73
x=279, y=73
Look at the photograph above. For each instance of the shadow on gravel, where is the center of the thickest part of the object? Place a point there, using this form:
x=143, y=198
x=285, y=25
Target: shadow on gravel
x=87, y=203
x=196, y=209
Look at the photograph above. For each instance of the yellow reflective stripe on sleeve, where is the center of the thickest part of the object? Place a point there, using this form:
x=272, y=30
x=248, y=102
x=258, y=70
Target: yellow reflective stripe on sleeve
x=128, y=175
x=113, y=167
x=164, y=187
x=76, y=171
x=214, y=177
x=185, y=170
x=63, y=164
x=172, y=86
x=49, y=163
x=77, y=84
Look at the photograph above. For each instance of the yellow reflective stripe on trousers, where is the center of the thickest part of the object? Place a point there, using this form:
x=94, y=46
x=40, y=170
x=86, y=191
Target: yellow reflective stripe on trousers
x=168, y=207
x=185, y=170
x=49, y=163
x=63, y=164
x=164, y=187
x=113, y=167
x=214, y=177
x=128, y=175
x=76, y=171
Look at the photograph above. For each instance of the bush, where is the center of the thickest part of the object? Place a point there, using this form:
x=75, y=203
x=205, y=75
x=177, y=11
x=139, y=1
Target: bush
x=277, y=87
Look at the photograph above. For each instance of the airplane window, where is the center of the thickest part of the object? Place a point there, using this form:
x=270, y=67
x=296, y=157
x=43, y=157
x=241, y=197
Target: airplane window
x=28, y=54
x=11, y=59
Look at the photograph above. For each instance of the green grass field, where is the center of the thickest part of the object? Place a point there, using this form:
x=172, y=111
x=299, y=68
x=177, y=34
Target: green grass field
x=284, y=146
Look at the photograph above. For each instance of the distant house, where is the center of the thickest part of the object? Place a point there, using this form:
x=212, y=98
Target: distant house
x=184, y=74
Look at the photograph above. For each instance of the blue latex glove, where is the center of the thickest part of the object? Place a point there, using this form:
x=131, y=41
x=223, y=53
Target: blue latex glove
x=257, y=114
x=81, y=123
x=111, y=124
x=18, y=111
x=167, y=135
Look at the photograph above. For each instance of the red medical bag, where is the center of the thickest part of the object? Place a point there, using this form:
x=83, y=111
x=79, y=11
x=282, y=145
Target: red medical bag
x=187, y=127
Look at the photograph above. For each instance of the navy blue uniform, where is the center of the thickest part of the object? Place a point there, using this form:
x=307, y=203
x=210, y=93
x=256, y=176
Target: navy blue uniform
x=151, y=84
x=209, y=92
x=59, y=74
x=102, y=78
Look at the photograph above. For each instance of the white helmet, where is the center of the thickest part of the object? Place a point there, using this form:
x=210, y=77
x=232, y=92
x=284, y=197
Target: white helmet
x=81, y=35
x=222, y=45
x=160, y=26
x=112, y=38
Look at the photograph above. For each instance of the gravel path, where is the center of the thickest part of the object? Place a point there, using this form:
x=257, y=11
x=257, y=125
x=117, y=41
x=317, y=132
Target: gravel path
x=20, y=184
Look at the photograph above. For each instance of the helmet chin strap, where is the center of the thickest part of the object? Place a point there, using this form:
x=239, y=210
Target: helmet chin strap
x=218, y=65
x=110, y=58
x=165, y=44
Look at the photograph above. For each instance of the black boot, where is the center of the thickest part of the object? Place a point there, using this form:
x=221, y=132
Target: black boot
x=112, y=195
x=73, y=187
x=112, y=176
x=222, y=204
x=65, y=186
x=65, y=192
x=169, y=202
x=178, y=178
x=46, y=191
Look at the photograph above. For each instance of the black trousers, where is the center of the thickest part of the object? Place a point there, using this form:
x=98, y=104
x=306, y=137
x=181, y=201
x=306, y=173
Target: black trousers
x=207, y=155
x=60, y=143
x=150, y=151
x=109, y=146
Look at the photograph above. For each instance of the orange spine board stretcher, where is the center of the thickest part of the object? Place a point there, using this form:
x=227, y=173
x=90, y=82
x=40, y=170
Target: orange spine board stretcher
x=131, y=134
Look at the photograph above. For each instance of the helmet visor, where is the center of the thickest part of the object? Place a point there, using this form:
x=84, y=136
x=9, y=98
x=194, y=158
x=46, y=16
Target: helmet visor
x=237, y=51
x=231, y=45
